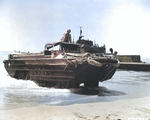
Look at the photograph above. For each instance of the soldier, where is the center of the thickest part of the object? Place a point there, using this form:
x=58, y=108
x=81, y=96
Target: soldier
x=67, y=36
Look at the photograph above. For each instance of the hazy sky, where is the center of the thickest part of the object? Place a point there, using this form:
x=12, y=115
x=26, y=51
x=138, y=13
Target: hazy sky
x=124, y=25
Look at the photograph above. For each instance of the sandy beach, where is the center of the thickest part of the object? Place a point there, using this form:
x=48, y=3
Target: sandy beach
x=127, y=109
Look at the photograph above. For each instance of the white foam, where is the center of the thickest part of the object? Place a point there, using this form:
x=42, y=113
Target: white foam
x=55, y=102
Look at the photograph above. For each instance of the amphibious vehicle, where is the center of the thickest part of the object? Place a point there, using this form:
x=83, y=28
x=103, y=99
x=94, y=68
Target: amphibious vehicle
x=67, y=67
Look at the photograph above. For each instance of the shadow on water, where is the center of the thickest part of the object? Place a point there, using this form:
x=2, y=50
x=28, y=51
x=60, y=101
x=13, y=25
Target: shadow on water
x=100, y=91
x=62, y=97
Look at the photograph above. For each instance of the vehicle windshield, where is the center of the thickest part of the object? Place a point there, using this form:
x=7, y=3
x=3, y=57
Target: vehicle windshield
x=63, y=46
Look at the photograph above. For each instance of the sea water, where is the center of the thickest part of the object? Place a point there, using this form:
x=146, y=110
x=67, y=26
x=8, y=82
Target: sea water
x=25, y=93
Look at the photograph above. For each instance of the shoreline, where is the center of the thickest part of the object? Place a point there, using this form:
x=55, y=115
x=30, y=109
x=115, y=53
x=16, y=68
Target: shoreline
x=126, y=109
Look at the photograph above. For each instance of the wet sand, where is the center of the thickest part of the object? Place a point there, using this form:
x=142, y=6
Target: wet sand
x=126, y=109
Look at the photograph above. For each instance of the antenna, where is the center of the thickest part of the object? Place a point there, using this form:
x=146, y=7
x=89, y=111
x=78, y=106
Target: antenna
x=80, y=31
x=73, y=39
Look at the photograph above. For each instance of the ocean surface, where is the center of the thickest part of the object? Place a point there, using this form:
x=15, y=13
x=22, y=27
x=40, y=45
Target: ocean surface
x=21, y=93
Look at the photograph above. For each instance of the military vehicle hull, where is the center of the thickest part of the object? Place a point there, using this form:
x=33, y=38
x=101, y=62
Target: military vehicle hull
x=60, y=72
x=64, y=68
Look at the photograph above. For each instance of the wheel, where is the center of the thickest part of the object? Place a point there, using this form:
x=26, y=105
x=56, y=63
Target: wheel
x=27, y=76
x=91, y=84
x=45, y=83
